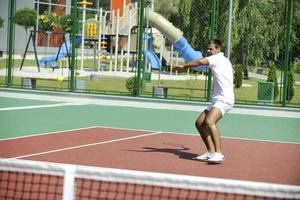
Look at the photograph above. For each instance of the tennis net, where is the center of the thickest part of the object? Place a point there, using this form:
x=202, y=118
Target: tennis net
x=33, y=180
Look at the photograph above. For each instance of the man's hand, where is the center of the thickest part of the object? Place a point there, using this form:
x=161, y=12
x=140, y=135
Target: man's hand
x=179, y=69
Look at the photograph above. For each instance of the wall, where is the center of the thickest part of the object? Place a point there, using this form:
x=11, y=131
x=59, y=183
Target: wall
x=20, y=39
x=118, y=4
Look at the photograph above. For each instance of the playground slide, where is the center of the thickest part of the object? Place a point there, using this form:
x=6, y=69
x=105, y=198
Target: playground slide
x=150, y=55
x=175, y=36
x=153, y=59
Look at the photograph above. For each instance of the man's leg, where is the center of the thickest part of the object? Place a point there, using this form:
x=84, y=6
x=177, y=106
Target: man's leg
x=211, y=119
x=204, y=131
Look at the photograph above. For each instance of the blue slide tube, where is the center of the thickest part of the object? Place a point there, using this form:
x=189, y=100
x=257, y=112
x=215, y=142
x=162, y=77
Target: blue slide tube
x=185, y=51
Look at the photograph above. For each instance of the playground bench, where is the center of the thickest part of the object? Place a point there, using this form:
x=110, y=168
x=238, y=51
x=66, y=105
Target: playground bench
x=30, y=82
x=162, y=91
x=180, y=88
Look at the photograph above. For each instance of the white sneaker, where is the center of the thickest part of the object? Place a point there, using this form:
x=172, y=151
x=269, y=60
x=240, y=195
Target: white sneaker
x=204, y=156
x=216, y=158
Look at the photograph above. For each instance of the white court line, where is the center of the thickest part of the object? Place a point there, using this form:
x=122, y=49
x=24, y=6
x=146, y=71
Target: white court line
x=85, y=145
x=76, y=129
x=38, y=106
x=197, y=135
x=259, y=140
x=48, y=133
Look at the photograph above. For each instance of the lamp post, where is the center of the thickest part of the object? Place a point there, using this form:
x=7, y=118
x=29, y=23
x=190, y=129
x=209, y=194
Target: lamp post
x=229, y=29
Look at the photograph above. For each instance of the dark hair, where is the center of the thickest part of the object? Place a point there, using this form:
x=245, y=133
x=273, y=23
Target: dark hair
x=216, y=42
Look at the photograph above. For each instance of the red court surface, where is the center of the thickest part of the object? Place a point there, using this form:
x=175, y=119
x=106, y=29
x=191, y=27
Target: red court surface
x=262, y=161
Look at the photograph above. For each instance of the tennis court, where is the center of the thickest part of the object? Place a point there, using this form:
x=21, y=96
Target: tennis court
x=143, y=135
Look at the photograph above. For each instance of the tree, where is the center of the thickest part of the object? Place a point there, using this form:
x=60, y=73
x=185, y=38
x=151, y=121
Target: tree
x=257, y=32
x=238, y=75
x=272, y=77
x=296, y=65
x=199, y=24
x=290, y=83
x=166, y=7
x=296, y=32
x=1, y=22
x=26, y=18
x=182, y=19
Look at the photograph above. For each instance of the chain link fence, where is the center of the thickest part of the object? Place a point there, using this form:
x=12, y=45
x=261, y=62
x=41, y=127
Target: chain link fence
x=257, y=47
x=191, y=20
x=106, y=53
x=253, y=36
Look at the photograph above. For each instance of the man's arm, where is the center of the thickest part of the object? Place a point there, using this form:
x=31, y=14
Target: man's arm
x=194, y=63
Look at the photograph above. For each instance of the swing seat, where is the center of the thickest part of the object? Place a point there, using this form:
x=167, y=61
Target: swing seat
x=63, y=52
x=51, y=60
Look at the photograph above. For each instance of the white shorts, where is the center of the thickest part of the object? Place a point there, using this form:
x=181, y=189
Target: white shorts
x=222, y=106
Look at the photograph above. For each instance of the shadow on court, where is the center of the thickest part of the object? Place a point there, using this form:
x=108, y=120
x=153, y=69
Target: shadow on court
x=180, y=153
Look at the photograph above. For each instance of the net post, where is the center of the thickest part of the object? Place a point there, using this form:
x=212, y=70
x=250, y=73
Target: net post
x=69, y=183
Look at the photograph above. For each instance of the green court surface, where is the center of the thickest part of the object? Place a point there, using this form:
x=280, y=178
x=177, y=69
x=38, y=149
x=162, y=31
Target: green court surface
x=13, y=102
x=51, y=116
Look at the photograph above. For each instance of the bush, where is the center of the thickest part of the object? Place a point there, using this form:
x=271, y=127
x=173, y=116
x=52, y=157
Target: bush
x=1, y=22
x=48, y=21
x=131, y=85
x=25, y=17
x=238, y=76
x=272, y=77
x=66, y=23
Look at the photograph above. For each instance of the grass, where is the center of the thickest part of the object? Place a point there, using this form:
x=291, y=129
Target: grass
x=116, y=85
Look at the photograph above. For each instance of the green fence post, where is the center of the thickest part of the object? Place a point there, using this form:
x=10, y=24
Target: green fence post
x=212, y=34
x=73, y=36
x=287, y=44
x=11, y=36
x=140, y=44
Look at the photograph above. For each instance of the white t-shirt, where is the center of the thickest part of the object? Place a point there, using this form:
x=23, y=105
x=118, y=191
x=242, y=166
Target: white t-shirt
x=222, y=78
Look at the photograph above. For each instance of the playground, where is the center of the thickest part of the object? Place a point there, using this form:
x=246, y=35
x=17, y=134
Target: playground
x=114, y=47
x=107, y=48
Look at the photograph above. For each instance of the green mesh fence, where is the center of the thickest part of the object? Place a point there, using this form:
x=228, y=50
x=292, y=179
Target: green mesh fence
x=252, y=32
x=257, y=46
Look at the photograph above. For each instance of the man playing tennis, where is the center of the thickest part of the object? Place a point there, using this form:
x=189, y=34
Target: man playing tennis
x=222, y=99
